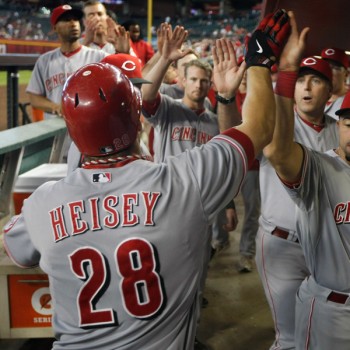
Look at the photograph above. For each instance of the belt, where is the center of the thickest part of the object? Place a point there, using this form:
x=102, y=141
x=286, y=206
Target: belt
x=339, y=298
x=282, y=234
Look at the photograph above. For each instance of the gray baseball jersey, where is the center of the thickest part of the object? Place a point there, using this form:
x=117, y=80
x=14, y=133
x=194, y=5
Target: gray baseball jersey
x=331, y=108
x=53, y=68
x=280, y=262
x=178, y=128
x=323, y=217
x=277, y=208
x=122, y=245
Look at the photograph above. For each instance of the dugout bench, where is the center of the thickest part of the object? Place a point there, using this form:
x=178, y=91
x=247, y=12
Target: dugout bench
x=25, y=308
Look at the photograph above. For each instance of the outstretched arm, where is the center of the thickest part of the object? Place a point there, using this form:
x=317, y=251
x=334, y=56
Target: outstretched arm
x=284, y=154
x=264, y=48
x=171, y=51
x=227, y=76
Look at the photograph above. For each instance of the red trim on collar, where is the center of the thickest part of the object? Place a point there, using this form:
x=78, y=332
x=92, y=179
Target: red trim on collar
x=316, y=127
x=69, y=54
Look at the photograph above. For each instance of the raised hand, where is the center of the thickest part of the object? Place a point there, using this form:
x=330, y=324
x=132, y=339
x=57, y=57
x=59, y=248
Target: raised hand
x=90, y=28
x=119, y=37
x=173, y=41
x=227, y=74
x=267, y=42
x=294, y=49
x=161, y=32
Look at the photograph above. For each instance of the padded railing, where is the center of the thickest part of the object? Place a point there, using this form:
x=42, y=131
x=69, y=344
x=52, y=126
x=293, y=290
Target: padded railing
x=23, y=148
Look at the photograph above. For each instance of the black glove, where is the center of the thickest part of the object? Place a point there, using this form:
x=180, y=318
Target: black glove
x=266, y=43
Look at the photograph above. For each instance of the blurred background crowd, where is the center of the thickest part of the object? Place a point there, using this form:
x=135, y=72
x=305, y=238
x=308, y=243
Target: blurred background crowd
x=206, y=21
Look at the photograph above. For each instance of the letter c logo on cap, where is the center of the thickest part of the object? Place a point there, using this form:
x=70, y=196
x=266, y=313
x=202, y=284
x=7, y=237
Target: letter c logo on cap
x=310, y=61
x=329, y=52
x=129, y=66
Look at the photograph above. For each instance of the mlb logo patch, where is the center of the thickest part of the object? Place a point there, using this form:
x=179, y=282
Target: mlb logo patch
x=102, y=177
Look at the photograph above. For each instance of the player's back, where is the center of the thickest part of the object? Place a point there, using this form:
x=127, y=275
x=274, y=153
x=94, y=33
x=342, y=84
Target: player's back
x=123, y=247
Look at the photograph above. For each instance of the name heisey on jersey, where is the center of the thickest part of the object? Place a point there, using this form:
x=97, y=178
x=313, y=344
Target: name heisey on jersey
x=342, y=213
x=97, y=213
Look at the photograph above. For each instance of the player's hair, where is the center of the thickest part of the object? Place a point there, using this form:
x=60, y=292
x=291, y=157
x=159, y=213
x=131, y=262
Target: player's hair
x=200, y=64
x=129, y=23
x=191, y=52
x=92, y=3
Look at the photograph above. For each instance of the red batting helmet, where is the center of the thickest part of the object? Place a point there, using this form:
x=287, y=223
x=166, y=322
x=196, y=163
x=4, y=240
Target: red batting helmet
x=102, y=109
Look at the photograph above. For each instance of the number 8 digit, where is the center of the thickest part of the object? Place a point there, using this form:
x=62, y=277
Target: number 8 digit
x=140, y=285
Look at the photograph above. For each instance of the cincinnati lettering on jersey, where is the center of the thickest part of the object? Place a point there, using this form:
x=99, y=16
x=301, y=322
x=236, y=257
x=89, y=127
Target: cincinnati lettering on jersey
x=342, y=213
x=56, y=80
x=188, y=133
x=116, y=211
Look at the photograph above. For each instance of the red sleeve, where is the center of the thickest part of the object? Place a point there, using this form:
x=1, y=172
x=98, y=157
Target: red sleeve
x=244, y=141
x=151, y=107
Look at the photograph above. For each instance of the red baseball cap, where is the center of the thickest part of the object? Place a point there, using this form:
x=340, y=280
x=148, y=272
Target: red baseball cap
x=345, y=106
x=320, y=66
x=129, y=65
x=336, y=55
x=63, y=9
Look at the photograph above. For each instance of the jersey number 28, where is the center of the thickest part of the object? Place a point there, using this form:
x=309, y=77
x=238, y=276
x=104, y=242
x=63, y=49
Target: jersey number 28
x=140, y=284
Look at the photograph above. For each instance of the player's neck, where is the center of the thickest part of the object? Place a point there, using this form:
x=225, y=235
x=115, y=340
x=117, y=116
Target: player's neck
x=67, y=48
x=194, y=105
x=116, y=159
x=315, y=117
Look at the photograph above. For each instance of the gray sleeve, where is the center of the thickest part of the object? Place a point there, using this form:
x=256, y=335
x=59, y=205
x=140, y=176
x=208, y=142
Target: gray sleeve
x=18, y=244
x=36, y=83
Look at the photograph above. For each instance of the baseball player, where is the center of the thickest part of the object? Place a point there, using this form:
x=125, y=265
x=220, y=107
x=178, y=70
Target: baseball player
x=102, y=32
x=124, y=255
x=279, y=257
x=54, y=67
x=339, y=62
x=319, y=185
